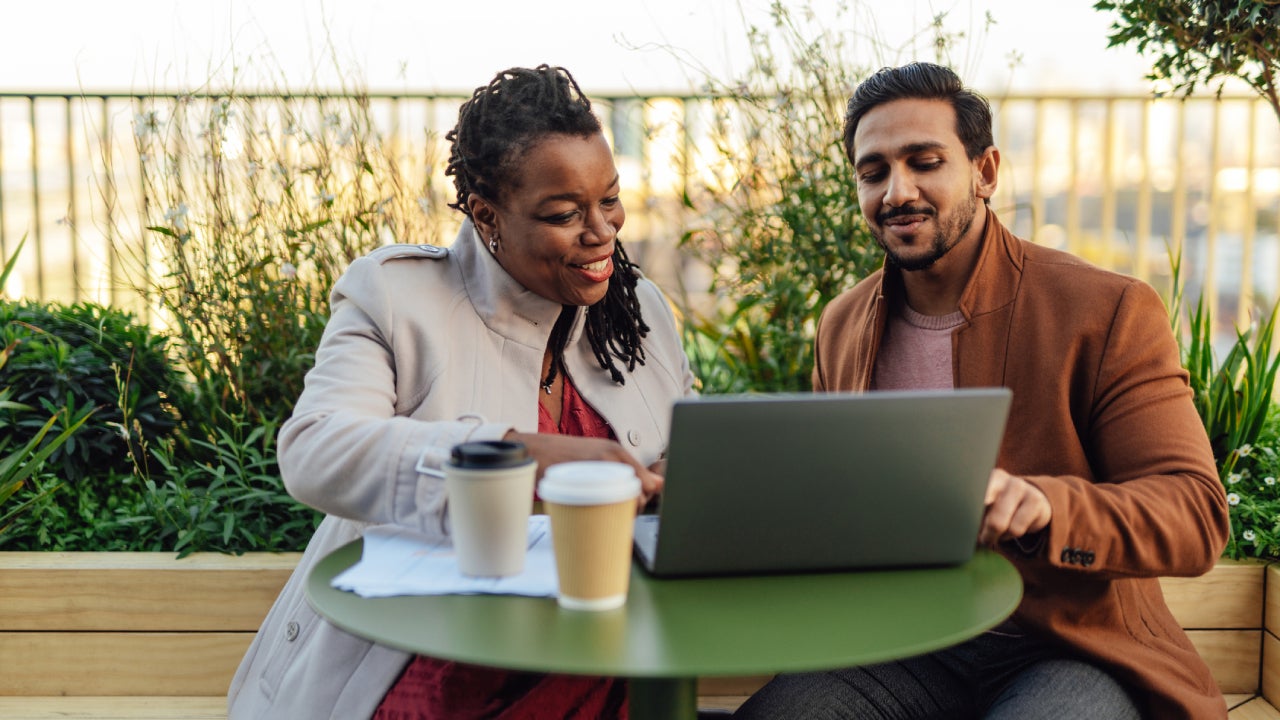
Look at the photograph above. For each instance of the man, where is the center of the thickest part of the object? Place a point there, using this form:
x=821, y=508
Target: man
x=1105, y=479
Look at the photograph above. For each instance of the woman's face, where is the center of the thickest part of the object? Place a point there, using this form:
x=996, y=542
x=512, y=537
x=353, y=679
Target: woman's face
x=557, y=219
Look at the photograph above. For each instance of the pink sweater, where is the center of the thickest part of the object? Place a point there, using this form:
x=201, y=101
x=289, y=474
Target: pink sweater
x=915, y=353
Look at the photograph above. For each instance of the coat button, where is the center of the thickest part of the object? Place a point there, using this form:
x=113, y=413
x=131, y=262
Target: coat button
x=291, y=631
x=633, y=437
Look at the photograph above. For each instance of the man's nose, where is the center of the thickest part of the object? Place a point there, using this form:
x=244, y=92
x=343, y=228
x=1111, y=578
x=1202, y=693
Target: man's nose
x=901, y=190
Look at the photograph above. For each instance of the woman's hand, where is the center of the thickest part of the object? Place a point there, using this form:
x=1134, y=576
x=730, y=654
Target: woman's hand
x=549, y=449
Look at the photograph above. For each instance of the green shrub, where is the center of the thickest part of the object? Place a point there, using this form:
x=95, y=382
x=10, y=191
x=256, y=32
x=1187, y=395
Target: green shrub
x=1254, y=494
x=23, y=464
x=233, y=503
x=1234, y=400
x=67, y=361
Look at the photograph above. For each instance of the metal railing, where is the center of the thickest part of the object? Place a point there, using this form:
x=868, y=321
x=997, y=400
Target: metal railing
x=1120, y=180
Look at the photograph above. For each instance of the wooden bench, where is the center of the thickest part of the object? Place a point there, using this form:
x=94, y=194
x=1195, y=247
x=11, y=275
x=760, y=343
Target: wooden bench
x=117, y=636
x=128, y=635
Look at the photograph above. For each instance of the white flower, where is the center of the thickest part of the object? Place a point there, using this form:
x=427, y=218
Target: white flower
x=1248, y=535
x=1245, y=449
x=1233, y=499
x=1269, y=480
x=145, y=123
x=1233, y=478
x=177, y=217
x=288, y=271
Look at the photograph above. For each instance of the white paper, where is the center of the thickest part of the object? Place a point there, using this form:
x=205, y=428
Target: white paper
x=400, y=561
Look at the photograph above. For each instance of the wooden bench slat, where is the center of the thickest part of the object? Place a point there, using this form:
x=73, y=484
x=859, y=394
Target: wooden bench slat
x=1234, y=657
x=1270, y=667
x=1228, y=597
x=1272, y=593
x=113, y=708
x=1255, y=709
x=139, y=591
x=78, y=663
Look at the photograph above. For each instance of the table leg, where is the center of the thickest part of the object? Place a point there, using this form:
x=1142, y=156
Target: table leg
x=662, y=699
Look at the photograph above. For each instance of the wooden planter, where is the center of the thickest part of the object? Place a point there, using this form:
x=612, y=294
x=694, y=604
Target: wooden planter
x=145, y=635
x=128, y=635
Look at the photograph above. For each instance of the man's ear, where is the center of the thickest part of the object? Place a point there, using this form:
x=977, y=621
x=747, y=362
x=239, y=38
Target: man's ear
x=484, y=215
x=986, y=170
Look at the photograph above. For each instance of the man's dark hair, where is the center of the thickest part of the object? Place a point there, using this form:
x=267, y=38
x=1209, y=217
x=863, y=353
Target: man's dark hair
x=496, y=128
x=923, y=81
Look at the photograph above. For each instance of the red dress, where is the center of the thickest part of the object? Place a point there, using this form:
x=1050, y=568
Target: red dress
x=431, y=689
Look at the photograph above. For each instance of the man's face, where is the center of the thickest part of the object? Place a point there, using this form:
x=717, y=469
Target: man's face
x=918, y=189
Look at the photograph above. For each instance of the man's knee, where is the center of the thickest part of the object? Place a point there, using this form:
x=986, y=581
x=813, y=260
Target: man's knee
x=1064, y=688
x=917, y=689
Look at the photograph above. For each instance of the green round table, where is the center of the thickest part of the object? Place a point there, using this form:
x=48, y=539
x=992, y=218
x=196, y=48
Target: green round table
x=670, y=632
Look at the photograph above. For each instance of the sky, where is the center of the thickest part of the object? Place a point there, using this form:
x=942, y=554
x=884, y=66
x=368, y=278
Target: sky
x=649, y=46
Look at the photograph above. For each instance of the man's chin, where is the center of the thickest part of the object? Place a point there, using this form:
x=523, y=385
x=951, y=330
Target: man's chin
x=911, y=263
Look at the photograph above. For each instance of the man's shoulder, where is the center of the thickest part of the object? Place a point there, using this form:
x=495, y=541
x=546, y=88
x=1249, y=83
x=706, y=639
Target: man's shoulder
x=1063, y=272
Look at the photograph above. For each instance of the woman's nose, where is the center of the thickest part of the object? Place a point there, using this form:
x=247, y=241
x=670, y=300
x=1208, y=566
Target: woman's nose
x=599, y=229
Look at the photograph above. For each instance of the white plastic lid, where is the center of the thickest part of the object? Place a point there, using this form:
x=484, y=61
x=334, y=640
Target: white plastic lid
x=589, y=482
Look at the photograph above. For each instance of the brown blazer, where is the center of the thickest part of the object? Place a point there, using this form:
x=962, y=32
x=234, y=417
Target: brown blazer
x=1103, y=423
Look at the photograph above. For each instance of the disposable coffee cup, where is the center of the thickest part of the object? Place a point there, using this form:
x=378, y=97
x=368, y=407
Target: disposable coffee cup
x=490, y=487
x=593, y=508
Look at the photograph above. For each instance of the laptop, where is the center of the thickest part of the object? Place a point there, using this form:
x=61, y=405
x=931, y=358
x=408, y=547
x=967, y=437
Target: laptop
x=804, y=483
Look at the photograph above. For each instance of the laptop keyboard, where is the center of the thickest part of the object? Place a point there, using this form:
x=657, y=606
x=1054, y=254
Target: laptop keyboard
x=646, y=538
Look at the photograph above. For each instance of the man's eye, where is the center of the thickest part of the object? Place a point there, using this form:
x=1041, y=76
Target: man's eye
x=872, y=176
x=933, y=164
x=611, y=201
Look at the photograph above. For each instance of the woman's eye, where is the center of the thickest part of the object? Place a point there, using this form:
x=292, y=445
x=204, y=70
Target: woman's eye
x=611, y=201
x=560, y=219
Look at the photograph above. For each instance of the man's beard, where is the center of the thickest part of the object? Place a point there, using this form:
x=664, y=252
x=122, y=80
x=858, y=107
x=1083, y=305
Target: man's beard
x=950, y=231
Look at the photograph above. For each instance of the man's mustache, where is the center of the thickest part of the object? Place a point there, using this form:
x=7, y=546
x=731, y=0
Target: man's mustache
x=891, y=213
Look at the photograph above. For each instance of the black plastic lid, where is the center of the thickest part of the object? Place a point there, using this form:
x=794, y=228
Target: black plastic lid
x=489, y=454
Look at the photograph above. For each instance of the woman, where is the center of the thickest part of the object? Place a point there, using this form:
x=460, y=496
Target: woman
x=532, y=326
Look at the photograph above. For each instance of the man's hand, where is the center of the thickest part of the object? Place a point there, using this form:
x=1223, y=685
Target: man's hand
x=1015, y=508
x=549, y=449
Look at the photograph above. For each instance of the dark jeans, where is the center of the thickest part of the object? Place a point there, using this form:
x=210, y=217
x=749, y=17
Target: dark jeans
x=999, y=675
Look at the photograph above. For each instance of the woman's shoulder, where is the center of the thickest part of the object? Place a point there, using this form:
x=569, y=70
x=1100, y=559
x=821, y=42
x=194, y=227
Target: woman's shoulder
x=412, y=265
x=403, y=257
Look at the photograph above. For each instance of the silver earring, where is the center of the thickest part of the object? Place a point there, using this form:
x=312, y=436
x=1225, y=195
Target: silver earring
x=493, y=243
